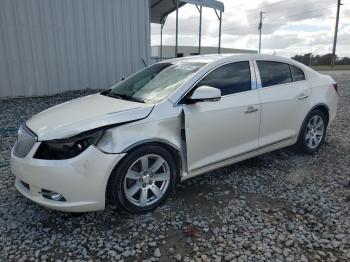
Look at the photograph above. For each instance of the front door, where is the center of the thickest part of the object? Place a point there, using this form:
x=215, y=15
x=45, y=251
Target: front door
x=218, y=131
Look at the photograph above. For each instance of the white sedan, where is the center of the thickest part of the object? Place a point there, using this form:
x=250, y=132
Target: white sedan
x=171, y=121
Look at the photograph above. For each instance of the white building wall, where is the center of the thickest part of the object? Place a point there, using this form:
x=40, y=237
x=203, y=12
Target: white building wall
x=51, y=46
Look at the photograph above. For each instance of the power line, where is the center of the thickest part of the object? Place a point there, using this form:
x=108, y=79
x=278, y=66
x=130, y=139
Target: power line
x=296, y=14
x=281, y=17
x=265, y=7
x=240, y=27
x=272, y=4
x=302, y=13
x=239, y=5
x=253, y=25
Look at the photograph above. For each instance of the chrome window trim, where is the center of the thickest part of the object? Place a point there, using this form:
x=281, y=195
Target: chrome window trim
x=252, y=76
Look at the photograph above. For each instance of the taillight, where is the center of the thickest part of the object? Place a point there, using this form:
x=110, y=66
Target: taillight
x=335, y=85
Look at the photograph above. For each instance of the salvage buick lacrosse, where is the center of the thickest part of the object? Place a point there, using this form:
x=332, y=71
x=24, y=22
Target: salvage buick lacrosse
x=171, y=121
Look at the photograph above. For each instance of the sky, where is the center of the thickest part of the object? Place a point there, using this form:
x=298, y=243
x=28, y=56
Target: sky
x=290, y=27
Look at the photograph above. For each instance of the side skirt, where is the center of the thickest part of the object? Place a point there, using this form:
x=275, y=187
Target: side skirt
x=238, y=158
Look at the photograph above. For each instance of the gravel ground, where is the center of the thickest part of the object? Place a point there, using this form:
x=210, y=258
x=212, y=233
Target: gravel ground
x=280, y=206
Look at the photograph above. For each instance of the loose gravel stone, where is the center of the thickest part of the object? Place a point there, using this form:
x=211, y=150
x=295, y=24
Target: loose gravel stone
x=157, y=253
x=152, y=244
x=178, y=257
x=281, y=206
x=290, y=226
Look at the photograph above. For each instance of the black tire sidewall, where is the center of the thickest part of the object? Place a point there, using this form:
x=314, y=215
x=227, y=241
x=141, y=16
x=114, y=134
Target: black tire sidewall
x=302, y=140
x=117, y=183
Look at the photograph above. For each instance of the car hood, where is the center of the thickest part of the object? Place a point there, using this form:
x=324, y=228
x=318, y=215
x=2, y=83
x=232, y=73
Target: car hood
x=83, y=114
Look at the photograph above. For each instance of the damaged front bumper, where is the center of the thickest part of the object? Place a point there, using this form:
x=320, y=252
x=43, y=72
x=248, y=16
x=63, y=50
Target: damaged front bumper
x=73, y=185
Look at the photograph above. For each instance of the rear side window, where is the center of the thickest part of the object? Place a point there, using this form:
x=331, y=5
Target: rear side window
x=274, y=73
x=298, y=74
x=230, y=78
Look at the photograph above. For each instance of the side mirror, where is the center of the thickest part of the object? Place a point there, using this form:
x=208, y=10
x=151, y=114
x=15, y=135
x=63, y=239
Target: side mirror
x=205, y=94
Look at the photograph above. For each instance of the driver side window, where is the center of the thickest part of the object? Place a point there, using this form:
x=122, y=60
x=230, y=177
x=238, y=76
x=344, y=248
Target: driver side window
x=230, y=78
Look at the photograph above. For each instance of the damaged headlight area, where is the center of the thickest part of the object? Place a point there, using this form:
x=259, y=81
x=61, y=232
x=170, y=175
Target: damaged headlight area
x=68, y=147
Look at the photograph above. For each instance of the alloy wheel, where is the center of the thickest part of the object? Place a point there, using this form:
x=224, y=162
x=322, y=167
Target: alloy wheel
x=147, y=180
x=314, y=131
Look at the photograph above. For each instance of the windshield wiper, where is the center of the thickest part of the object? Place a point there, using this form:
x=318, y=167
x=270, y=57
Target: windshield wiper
x=122, y=96
x=131, y=98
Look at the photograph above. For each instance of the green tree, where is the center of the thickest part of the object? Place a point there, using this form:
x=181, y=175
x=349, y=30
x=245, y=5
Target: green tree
x=309, y=59
x=304, y=59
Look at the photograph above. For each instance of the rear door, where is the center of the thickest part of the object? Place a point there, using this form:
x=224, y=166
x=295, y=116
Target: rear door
x=284, y=102
x=217, y=131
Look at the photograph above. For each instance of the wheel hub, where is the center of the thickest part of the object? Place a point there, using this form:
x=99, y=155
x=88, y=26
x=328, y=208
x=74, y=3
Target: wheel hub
x=146, y=179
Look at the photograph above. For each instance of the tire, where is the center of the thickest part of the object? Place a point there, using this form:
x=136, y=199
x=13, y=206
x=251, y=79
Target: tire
x=312, y=133
x=136, y=188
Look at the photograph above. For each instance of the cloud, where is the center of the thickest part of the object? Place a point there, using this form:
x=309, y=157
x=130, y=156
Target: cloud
x=285, y=41
x=289, y=27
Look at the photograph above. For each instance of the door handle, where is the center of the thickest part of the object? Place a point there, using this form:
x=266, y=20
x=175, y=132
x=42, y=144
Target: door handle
x=251, y=109
x=302, y=97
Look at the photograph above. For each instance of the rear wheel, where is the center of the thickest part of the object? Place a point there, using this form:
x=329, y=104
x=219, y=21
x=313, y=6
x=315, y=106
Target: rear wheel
x=313, y=132
x=143, y=180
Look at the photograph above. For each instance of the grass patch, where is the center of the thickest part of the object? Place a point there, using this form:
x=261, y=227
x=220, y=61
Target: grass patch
x=329, y=68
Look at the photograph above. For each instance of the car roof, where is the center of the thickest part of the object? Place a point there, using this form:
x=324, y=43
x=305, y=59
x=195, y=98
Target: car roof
x=217, y=59
x=226, y=57
x=214, y=60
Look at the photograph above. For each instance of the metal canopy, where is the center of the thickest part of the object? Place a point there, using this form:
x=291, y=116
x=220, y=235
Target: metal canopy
x=160, y=9
x=207, y=3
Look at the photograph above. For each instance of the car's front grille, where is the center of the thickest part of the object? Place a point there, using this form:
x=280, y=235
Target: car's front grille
x=25, y=141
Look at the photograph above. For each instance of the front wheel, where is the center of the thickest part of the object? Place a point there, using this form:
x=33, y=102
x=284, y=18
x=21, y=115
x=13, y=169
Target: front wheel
x=313, y=132
x=143, y=180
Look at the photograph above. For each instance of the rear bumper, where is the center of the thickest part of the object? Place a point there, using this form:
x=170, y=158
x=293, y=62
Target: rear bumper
x=82, y=180
x=333, y=109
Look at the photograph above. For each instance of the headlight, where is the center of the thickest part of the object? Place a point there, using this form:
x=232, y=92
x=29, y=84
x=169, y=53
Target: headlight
x=68, y=147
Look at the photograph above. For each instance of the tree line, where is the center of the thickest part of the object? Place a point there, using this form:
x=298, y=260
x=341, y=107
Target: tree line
x=310, y=59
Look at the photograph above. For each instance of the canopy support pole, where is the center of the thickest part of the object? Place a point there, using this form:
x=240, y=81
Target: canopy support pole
x=200, y=29
x=161, y=38
x=161, y=43
x=220, y=20
x=219, y=49
x=177, y=27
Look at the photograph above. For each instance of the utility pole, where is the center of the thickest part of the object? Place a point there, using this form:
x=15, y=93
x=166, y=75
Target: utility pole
x=260, y=28
x=336, y=33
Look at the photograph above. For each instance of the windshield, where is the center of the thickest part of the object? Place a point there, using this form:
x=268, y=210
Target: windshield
x=154, y=83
